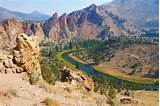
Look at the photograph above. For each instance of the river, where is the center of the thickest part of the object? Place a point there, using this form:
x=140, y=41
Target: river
x=117, y=82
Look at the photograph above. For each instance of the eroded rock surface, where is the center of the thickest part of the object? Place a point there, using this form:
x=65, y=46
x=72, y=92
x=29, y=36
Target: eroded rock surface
x=77, y=79
x=9, y=29
x=26, y=55
x=23, y=58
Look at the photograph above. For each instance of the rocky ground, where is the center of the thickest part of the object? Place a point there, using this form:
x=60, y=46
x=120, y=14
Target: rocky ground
x=22, y=83
x=15, y=90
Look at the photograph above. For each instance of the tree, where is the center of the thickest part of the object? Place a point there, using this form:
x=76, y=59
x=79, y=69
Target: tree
x=111, y=95
x=70, y=45
x=56, y=48
x=77, y=65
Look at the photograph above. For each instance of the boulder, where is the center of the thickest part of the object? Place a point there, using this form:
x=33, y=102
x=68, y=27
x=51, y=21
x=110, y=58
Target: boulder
x=26, y=56
x=23, y=58
x=77, y=79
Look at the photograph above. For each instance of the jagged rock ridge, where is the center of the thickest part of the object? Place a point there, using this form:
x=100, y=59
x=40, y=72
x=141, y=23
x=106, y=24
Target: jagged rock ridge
x=120, y=17
x=9, y=29
x=87, y=24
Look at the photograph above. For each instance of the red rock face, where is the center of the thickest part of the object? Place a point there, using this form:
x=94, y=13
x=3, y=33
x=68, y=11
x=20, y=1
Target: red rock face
x=37, y=31
x=63, y=22
x=11, y=28
x=87, y=23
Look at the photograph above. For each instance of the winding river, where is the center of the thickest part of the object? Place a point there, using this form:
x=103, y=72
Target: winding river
x=117, y=81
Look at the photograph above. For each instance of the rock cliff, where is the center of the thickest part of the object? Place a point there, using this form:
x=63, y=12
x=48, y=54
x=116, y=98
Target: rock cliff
x=23, y=58
x=117, y=18
x=9, y=29
x=87, y=23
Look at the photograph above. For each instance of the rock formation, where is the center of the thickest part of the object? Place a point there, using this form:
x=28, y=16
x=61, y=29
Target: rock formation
x=26, y=55
x=23, y=58
x=9, y=29
x=114, y=19
x=6, y=63
x=79, y=80
x=87, y=23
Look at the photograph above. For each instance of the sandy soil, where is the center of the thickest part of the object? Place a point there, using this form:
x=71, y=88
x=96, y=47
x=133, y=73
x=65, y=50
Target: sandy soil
x=14, y=91
x=144, y=98
x=147, y=98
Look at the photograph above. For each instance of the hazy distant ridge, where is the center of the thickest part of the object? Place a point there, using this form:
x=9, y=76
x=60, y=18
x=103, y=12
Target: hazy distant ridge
x=34, y=16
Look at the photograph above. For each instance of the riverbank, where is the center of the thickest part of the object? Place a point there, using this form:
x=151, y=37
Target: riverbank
x=108, y=72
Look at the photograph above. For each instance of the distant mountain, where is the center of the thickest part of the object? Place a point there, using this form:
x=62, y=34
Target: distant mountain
x=88, y=23
x=34, y=16
x=144, y=14
x=117, y=18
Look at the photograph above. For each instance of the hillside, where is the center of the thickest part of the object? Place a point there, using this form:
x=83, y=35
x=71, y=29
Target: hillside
x=127, y=56
x=135, y=11
x=88, y=23
x=92, y=22
x=22, y=80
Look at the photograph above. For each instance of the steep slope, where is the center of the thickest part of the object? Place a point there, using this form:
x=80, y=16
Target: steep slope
x=22, y=83
x=34, y=16
x=87, y=23
x=143, y=13
x=117, y=18
x=9, y=29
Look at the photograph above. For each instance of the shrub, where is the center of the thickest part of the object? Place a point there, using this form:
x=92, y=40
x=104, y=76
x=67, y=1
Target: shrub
x=50, y=102
x=50, y=71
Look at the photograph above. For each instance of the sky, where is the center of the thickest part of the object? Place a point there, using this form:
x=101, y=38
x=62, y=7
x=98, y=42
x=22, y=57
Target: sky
x=48, y=6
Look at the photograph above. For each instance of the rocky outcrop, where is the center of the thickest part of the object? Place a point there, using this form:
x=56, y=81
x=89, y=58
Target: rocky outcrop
x=9, y=29
x=135, y=11
x=23, y=58
x=113, y=19
x=78, y=80
x=6, y=63
x=87, y=23
x=26, y=55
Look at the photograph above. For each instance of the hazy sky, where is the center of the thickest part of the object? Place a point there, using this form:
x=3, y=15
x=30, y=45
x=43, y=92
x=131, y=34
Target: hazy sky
x=48, y=6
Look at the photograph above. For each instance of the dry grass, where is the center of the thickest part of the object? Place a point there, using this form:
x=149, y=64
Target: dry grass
x=121, y=75
x=50, y=102
x=8, y=92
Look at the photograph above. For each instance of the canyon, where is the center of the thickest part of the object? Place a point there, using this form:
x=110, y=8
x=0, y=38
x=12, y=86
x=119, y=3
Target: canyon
x=92, y=22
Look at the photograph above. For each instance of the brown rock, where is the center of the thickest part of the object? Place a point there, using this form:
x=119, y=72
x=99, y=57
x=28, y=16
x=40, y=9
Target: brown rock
x=9, y=29
x=2, y=68
x=9, y=70
x=26, y=55
x=8, y=63
x=78, y=79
